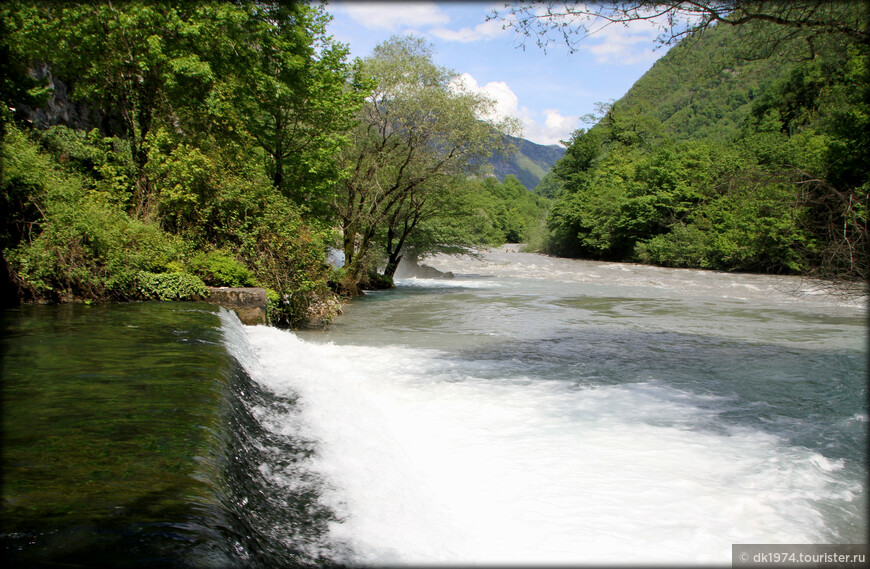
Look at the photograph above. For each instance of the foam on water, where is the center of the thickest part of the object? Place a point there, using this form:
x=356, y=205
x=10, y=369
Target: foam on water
x=508, y=262
x=448, y=283
x=427, y=462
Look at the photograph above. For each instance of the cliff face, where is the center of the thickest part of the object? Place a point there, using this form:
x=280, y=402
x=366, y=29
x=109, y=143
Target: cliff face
x=63, y=109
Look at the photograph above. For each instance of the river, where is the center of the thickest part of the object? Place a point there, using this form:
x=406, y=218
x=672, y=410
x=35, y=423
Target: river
x=535, y=409
x=538, y=410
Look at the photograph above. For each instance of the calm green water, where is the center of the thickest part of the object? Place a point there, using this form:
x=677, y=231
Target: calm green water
x=110, y=415
x=131, y=438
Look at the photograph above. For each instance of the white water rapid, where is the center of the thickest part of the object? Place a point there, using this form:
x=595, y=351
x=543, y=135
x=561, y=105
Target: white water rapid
x=547, y=411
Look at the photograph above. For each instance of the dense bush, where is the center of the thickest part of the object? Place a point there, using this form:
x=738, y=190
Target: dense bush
x=69, y=235
x=754, y=227
x=219, y=268
x=170, y=286
x=65, y=239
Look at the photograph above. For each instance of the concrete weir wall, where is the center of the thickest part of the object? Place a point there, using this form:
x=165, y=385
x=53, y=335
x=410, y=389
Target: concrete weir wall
x=248, y=303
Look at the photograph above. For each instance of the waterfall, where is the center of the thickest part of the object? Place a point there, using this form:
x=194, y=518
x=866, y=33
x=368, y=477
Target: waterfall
x=424, y=457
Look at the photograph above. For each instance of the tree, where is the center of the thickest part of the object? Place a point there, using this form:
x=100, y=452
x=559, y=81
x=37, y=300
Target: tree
x=573, y=21
x=293, y=91
x=419, y=128
x=811, y=127
x=225, y=116
x=455, y=218
x=138, y=60
x=263, y=70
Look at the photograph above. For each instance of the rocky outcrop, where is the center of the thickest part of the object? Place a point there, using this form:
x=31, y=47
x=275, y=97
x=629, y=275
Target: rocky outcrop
x=63, y=109
x=249, y=303
x=410, y=267
x=427, y=272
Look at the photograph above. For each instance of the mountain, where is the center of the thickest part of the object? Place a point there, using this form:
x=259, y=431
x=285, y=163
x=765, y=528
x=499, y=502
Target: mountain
x=704, y=88
x=530, y=164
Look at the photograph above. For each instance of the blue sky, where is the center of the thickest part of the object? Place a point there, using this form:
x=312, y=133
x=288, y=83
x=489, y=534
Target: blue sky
x=548, y=92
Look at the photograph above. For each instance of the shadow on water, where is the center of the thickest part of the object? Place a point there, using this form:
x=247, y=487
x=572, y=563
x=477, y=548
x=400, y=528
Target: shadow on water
x=129, y=439
x=274, y=499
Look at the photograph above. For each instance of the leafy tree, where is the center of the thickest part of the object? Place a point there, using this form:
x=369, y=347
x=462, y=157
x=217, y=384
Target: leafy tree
x=753, y=225
x=550, y=185
x=262, y=70
x=194, y=109
x=419, y=128
x=812, y=128
x=129, y=58
x=571, y=22
x=292, y=90
x=583, y=150
x=583, y=222
x=514, y=211
x=460, y=220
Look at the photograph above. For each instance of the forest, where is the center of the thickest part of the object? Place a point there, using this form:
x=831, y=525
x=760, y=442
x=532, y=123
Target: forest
x=152, y=149
x=744, y=148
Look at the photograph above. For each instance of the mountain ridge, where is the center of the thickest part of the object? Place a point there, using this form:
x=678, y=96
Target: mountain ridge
x=530, y=164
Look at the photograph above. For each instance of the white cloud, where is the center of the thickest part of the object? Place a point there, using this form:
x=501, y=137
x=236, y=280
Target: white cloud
x=557, y=121
x=393, y=16
x=416, y=16
x=556, y=127
x=483, y=31
x=610, y=42
x=619, y=44
x=550, y=128
x=506, y=103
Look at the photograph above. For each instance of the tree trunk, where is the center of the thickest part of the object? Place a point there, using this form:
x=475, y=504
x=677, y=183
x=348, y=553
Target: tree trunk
x=278, y=154
x=278, y=178
x=394, y=254
x=144, y=117
x=392, y=265
x=350, y=283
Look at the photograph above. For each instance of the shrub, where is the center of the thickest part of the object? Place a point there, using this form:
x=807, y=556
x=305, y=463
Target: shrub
x=219, y=268
x=755, y=226
x=63, y=240
x=170, y=286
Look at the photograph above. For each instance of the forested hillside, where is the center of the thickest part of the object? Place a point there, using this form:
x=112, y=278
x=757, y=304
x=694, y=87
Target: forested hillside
x=529, y=164
x=703, y=88
x=734, y=152
x=152, y=149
